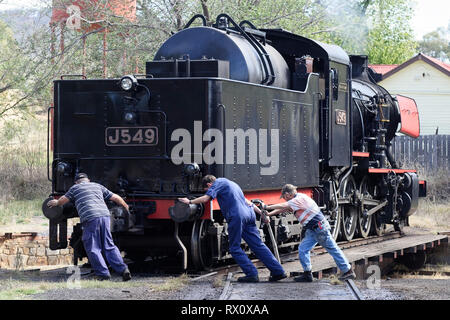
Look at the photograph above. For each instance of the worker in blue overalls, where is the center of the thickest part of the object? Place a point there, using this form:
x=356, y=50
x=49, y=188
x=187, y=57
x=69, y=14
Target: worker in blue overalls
x=240, y=216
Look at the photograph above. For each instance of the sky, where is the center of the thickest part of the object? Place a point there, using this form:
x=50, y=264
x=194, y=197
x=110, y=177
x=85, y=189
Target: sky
x=429, y=14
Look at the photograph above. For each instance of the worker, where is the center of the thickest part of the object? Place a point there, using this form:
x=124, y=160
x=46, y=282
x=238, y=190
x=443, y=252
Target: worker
x=89, y=198
x=240, y=216
x=317, y=228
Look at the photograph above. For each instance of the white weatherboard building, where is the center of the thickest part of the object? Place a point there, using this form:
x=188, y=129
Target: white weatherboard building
x=427, y=81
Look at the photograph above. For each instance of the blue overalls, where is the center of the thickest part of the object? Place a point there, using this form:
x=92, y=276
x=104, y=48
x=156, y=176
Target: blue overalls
x=241, y=221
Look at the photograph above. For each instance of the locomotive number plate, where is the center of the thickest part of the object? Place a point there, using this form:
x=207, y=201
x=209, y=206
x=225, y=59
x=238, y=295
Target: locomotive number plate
x=341, y=117
x=131, y=136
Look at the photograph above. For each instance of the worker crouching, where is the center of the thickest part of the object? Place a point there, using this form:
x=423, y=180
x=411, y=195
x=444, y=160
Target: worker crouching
x=317, y=228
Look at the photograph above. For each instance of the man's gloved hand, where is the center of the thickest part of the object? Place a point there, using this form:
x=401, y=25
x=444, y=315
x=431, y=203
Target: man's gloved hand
x=264, y=217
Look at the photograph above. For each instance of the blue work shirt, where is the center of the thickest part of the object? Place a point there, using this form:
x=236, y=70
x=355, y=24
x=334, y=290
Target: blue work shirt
x=230, y=198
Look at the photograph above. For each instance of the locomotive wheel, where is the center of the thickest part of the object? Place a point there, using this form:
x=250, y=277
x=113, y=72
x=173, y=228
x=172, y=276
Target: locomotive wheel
x=349, y=212
x=364, y=221
x=377, y=226
x=398, y=226
x=335, y=223
x=201, y=250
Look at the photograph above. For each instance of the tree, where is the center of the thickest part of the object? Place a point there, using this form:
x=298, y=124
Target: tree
x=437, y=44
x=377, y=27
x=8, y=47
x=390, y=37
x=12, y=76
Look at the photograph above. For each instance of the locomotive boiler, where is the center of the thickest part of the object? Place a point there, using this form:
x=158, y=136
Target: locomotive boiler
x=262, y=107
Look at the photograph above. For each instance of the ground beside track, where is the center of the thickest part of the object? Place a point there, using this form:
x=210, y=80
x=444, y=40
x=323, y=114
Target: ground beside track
x=54, y=287
x=54, y=284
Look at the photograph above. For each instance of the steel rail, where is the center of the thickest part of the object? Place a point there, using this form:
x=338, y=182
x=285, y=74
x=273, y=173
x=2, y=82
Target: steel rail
x=354, y=289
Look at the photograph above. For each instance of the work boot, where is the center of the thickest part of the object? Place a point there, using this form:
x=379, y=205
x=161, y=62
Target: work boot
x=347, y=275
x=126, y=275
x=248, y=279
x=277, y=277
x=305, y=277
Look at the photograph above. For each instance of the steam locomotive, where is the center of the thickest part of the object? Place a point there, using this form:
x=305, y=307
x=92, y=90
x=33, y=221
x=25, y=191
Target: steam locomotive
x=262, y=107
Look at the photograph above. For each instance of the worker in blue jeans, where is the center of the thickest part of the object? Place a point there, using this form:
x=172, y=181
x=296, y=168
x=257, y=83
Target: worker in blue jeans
x=240, y=216
x=89, y=198
x=317, y=228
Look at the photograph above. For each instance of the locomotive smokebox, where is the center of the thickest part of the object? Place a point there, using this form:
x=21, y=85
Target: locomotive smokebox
x=247, y=62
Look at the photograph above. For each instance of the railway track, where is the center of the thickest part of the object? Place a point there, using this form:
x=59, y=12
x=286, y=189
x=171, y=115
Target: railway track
x=292, y=256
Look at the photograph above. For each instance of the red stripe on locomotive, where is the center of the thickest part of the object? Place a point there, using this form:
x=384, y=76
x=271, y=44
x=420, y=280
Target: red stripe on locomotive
x=387, y=170
x=269, y=197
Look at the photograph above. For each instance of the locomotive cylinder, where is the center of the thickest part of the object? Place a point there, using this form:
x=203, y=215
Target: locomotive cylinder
x=245, y=63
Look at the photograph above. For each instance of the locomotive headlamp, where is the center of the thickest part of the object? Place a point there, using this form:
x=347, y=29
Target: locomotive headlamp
x=129, y=116
x=64, y=168
x=128, y=82
x=191, y=169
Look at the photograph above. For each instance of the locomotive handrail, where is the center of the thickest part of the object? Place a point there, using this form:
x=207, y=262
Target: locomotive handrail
x=202, y=17
x=127, y=158
x=263, y=35
x=73, y=75
x=143, y=75
x=262, y=53
x=330, y=116
x=269, y=62
x=253, y=29
x=48, y=143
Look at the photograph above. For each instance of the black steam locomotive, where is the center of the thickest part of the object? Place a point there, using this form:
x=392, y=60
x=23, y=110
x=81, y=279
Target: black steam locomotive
x=262, y=107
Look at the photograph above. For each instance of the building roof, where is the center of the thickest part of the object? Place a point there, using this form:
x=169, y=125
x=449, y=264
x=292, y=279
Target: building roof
x=443, y=67
x=382, y=68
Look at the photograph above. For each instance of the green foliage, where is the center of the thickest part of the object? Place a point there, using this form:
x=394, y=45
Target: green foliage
x=390, y=38
x=23, y=174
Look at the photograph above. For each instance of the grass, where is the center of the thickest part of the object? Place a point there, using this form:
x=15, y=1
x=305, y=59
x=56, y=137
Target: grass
x=218, y=282
x=173, y=284
x=23, y=168
x=400, y=271
x=12, y=289
x=434, y=210
x=19, y=211
x=23, y=288
x=431, y=216
x=334, y=280
x=415, y=275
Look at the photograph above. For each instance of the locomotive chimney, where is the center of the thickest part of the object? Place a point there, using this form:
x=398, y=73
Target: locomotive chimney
x=359, y=65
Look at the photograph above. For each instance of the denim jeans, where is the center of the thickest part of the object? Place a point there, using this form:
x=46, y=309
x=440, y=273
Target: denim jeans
x=322, y=236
